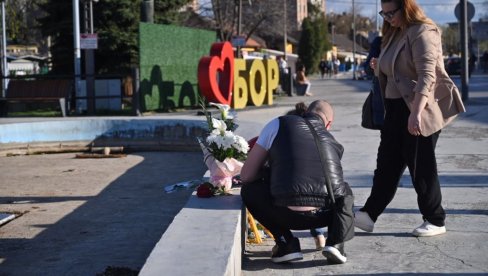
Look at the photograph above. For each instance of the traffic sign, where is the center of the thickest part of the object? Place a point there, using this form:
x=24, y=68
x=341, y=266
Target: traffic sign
x=457, y=11
x=88, y=41
x=238, y=41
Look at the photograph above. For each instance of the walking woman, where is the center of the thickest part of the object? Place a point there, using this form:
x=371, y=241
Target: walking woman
x=420, y=99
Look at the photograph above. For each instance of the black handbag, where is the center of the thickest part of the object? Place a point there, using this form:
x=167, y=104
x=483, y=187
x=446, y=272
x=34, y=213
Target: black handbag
x=367, y=115
x=373, y=110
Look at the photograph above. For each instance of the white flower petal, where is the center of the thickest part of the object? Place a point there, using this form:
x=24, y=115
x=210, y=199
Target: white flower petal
x=224, y=109
x=221, y=107
x=219, y=125
x=241, y=144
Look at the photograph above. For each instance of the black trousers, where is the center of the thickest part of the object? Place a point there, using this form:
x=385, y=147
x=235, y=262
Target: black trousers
x=280, y=220
x=399, y=149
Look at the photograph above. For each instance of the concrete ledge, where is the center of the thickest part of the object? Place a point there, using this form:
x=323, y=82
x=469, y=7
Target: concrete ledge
x=205, y=237
x=132, y=134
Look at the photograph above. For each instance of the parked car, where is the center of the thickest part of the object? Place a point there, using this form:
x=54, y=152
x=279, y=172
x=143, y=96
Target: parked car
x=453, y=65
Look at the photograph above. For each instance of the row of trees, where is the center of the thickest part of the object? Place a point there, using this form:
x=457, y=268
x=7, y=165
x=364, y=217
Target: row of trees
x=314, y=42
x=258, y=17
x=116, y=22
x=451, y=37
x=20, y=28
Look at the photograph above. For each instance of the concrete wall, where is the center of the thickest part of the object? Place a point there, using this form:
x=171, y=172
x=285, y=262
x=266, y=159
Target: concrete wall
x=133, y=134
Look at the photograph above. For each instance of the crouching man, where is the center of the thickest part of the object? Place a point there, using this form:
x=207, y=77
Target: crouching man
x=285, y=183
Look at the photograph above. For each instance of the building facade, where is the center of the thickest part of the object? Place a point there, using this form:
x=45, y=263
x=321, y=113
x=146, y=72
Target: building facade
x=296, y=11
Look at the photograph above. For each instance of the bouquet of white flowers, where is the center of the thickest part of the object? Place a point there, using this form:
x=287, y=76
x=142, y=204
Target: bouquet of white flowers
x=223, y=150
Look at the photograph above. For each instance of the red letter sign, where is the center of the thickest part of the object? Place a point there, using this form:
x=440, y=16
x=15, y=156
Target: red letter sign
x=216, y=73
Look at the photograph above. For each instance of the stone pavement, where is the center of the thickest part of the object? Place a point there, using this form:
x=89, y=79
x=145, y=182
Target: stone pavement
x=462, y=153
x=82, y=216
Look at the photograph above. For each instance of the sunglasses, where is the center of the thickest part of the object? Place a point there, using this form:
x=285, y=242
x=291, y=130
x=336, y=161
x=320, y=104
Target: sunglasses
x=388, y=15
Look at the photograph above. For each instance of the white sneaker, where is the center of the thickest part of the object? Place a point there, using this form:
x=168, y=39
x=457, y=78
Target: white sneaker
x=363, y=221
x=428, y=229
x=335, y=254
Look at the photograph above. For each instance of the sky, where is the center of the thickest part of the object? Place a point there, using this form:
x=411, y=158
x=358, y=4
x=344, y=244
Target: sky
x=441, y=11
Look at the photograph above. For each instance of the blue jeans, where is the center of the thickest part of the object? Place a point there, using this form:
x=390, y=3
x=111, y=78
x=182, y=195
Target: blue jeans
x=302, y=88
x=317, y=231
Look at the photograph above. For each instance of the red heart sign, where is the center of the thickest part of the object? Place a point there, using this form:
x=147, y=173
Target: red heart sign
x=216, y=73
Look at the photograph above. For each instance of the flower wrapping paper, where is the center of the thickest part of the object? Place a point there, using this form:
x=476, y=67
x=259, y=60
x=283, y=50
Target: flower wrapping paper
x=221, y=173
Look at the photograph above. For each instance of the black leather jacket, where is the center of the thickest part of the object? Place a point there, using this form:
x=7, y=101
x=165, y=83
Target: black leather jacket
x=296, y=173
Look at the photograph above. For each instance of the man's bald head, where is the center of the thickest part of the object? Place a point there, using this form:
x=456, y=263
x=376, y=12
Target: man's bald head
x=323, y=109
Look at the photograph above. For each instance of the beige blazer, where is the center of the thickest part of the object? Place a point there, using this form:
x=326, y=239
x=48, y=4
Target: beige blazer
x=418, y=67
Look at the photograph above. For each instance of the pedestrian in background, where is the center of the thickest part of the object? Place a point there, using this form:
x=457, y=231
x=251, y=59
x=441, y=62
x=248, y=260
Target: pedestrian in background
x=283, y=70
x=323, y=68
x=336, y=63
x=302, y=82
x=484, y=61
x=472, y=62
x=420, y=99
x=330, y=67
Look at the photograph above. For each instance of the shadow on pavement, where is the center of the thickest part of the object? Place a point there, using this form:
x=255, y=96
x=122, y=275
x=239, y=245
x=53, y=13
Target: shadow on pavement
x=116, y=225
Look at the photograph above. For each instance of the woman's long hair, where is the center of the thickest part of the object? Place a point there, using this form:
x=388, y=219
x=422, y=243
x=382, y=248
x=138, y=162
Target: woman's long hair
x=412, y=14
x=300, y=109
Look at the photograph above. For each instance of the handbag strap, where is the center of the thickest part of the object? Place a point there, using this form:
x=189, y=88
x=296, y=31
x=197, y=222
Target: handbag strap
x=322, y=155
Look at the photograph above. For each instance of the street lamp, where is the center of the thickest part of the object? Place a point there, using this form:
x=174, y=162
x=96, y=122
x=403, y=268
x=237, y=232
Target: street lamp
x=376, y=14
x=285, y=37
x=239, y=26
x=147, y=11
x=353, y=41
x=77, y=52
x=91, y=15
x=89, y=60
x=4, y=53
x=333, y=34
